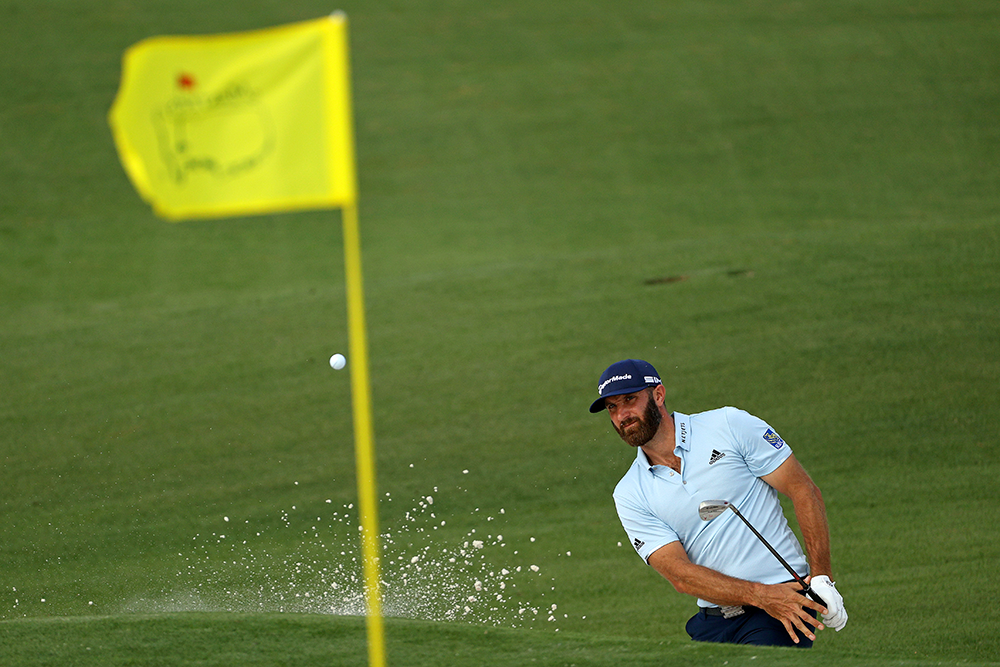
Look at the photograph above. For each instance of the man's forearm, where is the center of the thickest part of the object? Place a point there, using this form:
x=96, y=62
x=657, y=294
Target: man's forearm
x=703, y=582
x=810, y=512
x=792, y=480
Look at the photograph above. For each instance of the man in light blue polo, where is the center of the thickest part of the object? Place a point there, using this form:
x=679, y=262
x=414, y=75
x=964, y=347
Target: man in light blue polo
x=744, y=593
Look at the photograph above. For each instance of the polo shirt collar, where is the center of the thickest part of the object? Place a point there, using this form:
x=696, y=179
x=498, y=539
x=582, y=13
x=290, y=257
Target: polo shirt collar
x=641, y=458
x=682, y=438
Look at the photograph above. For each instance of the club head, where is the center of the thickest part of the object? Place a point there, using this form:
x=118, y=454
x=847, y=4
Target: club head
x=709, y=509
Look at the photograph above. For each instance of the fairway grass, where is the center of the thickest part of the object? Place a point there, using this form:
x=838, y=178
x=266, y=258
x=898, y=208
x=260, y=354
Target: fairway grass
x=224, y=640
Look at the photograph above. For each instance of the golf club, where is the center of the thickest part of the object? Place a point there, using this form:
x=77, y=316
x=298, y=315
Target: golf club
x=710, y=509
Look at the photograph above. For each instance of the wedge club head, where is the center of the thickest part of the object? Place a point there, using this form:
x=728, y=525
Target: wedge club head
x=709, y=509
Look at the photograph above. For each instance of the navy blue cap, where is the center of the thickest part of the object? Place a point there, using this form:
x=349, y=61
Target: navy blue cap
x=625, y=377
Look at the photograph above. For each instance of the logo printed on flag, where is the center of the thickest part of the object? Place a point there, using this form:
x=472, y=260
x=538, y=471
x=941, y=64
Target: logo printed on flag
x=188, y=126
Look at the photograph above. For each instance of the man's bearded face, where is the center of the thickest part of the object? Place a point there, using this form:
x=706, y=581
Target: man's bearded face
x=637, y=431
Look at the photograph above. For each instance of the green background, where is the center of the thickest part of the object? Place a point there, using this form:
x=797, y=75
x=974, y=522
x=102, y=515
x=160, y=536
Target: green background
x=791, y=207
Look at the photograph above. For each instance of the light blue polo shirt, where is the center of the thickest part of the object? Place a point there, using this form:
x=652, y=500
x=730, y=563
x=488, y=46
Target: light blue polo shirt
x=723, y=454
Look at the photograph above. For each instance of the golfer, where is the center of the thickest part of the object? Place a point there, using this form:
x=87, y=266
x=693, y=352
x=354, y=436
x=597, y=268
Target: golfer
x=745, y=595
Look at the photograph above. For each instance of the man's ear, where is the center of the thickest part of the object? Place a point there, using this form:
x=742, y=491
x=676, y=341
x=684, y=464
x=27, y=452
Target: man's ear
x=660, y=394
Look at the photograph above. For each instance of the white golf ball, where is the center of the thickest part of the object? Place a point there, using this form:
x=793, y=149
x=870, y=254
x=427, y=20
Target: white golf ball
x=337, y=362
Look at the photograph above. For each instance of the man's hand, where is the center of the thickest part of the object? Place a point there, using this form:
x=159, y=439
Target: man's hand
x=786, y=603
x=836, y=616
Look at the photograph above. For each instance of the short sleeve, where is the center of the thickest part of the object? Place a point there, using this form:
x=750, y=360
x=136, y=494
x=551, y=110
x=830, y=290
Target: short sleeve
x=761, y=446
x=646, y=532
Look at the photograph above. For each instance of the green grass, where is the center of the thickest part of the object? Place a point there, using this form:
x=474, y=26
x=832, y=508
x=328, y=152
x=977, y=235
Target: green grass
x=218, y=639
x=825, y=179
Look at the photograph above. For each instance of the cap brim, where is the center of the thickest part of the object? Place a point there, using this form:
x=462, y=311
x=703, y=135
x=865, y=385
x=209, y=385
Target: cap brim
x=598, y=405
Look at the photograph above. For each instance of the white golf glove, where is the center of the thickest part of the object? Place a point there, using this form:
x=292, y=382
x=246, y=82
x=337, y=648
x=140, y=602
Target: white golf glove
x=837, y=616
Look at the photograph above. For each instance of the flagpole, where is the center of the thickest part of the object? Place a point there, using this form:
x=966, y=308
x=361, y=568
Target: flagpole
x=249, y=71
x=363, y=435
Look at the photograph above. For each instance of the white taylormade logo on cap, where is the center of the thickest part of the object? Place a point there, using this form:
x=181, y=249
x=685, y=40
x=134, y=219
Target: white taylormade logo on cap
x=616, y=378
x=653, y=379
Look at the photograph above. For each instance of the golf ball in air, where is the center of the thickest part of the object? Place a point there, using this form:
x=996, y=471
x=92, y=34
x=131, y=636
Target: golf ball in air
x=337, y=362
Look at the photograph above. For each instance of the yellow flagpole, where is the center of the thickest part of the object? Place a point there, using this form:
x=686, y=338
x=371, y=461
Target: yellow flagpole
x=364, y=439
x=363, y=435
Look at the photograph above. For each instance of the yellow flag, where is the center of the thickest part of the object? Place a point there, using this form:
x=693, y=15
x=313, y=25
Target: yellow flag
x=239, y=124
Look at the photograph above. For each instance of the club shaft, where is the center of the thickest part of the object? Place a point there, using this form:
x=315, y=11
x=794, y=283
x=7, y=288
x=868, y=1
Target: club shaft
x=805, y=587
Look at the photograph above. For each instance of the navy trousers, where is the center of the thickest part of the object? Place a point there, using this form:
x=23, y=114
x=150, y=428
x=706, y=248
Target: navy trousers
x=754, y=627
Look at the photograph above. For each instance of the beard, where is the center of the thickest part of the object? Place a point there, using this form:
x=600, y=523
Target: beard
x=648, y=425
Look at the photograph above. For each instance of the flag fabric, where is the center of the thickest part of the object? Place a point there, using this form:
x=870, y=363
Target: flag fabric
x=240, y=123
